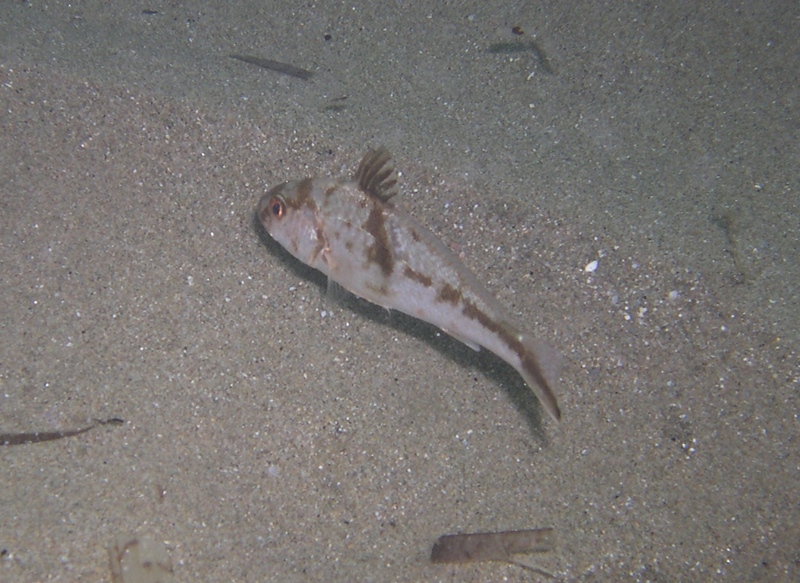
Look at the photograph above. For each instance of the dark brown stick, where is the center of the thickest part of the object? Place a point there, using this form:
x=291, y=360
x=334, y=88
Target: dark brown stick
x=491, y=546
x=40, y=436
x=276, y=66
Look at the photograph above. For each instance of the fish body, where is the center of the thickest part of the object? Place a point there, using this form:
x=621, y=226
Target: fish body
x=353, y=232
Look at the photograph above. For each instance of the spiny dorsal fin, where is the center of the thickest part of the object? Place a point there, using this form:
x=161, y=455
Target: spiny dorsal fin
x=376, y=176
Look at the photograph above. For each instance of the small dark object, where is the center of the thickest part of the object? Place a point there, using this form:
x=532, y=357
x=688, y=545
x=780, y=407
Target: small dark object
x=518, y=30
x=491, y=546
x=40, y=436
x=276, y=66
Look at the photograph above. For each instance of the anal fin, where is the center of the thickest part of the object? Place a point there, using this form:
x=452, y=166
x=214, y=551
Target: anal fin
x=335, y=292
x=472, y=344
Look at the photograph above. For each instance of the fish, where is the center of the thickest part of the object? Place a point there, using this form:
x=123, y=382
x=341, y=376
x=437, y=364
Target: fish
x=353, y=232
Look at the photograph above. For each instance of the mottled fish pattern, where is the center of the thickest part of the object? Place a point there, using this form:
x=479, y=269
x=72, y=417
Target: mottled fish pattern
x=354, y=233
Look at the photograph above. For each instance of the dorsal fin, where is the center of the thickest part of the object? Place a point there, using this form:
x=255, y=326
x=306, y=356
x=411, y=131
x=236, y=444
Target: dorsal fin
x=376, y=176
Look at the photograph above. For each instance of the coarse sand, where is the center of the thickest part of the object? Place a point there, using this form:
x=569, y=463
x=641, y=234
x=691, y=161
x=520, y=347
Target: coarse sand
x=271, y=434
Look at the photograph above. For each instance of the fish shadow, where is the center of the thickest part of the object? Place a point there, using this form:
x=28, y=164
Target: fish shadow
x=487, y=363
x=483, y=362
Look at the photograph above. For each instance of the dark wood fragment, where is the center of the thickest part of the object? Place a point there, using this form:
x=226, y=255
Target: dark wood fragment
x=40, y=436
x=276, y=66
x=491, y=546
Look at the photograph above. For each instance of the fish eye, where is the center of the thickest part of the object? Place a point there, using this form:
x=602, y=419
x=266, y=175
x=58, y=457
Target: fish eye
x=277, y=207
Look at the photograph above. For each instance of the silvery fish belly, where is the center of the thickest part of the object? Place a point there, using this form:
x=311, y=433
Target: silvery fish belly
x=354, y=233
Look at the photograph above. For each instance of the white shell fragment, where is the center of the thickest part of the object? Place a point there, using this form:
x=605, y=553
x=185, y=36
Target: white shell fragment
x=591, y=266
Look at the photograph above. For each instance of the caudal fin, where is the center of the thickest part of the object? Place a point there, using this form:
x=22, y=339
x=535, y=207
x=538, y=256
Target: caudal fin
x=539, y=366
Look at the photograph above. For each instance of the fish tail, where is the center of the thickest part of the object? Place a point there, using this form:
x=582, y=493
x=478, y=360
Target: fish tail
x=539, y=366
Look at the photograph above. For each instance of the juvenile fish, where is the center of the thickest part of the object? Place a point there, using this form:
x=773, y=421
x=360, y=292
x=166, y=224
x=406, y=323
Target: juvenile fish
x=352, y=231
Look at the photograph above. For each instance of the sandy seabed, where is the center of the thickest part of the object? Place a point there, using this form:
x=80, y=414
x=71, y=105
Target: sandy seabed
x=273, y=435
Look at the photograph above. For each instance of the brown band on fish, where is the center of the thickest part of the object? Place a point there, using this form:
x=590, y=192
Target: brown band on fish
x=379, y=290
x=304, y=194
x=531, y=366
x=448, y=294
x=322, y=243
x=417, y=276
x=379, y=251
x=513, y=340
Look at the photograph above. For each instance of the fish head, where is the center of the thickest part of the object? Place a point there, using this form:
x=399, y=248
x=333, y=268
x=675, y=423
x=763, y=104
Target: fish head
x=289, y=214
